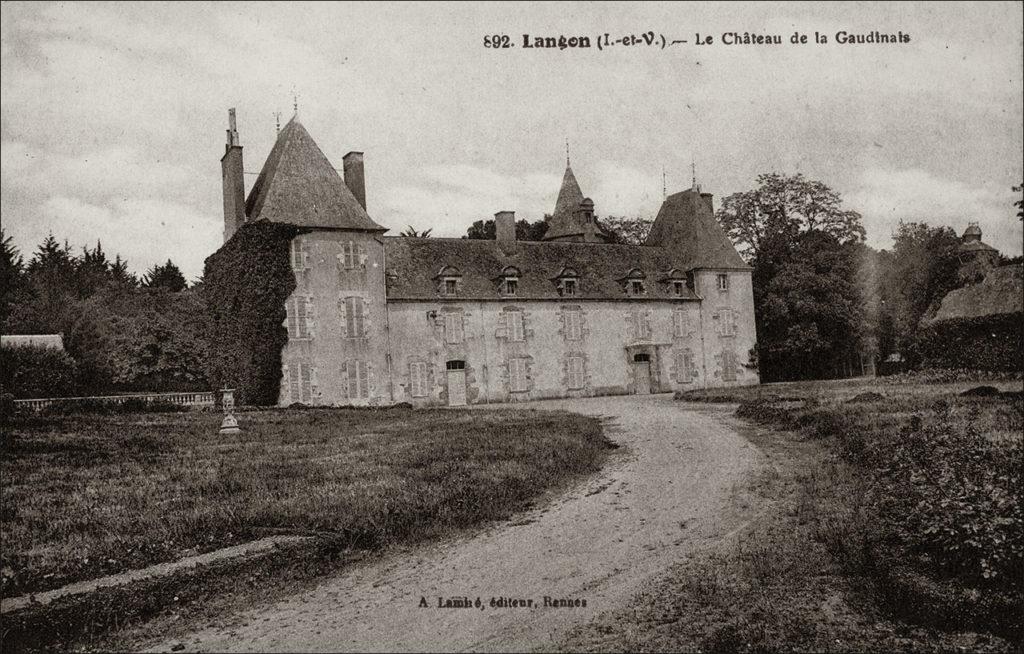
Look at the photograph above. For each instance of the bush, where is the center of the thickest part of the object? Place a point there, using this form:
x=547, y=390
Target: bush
x=34, y=371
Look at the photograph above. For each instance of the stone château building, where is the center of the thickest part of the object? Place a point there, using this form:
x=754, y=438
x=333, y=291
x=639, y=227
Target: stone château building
x=378, y=319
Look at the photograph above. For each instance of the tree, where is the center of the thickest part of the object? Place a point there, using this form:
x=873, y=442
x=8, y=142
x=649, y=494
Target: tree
x=630, y=231
x=166, y=276
x=412, y=233
x=806, y=251
x=525, y=231
x=11, y=276
x=781, y=208
x=922, y=269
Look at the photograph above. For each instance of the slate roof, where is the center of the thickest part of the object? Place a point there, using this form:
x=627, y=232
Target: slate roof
x=569, y=198
x=414, y=265
x=1001, y=292
x=687, y=226
x=299, y=186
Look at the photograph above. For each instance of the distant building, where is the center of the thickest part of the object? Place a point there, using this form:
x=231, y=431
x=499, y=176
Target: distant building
x=53, y=341
x=377, y=319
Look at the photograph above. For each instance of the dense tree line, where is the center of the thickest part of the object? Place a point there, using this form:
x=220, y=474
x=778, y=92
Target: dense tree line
x=122, y=332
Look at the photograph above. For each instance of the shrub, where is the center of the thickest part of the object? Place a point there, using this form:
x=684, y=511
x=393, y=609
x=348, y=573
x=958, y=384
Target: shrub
x=34, y=371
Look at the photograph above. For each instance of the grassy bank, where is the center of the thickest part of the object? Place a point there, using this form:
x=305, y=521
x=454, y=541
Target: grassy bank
x=85, y=496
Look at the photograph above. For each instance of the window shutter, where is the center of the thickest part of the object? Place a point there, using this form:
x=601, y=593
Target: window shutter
x=310, y=317
x=364, y=379
x=307, y=382
x=293, y=384
x=361, y=253
x=453, y=327
x=353, y=380
x=344, y=380
x=358, y=316
x=343, y=318
x=304, y=255
x=517, y=325
x=290, y=320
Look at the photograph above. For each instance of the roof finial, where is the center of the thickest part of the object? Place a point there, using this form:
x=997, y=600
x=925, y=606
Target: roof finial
x=664, y=184
x=693, y=169
x=566, y=153
x=277, y=115
x=295, y=102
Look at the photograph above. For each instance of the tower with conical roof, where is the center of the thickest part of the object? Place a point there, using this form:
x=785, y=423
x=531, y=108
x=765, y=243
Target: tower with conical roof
x=573, y=218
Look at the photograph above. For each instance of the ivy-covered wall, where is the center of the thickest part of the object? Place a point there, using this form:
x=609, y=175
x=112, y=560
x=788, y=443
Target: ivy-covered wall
x=246, y=284
x=984, y=343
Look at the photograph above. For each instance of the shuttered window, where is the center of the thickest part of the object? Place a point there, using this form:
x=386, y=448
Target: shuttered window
x=453, y=327
x=358, y=376
x=418, y=379
x=517, y=375
x=643, y=325
x=353, y=255
x=728, y=365
x=575, y=369
x=726, y=322
x=299, y=310
x=298, y=255
x=679, y=323
x=515, y=325
x=573, y=324
x=300, y=382
x=684, y=365
x=354, y=317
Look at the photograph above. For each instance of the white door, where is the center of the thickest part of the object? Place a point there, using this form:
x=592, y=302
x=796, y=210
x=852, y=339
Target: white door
x=456, y=388
x=642, y=375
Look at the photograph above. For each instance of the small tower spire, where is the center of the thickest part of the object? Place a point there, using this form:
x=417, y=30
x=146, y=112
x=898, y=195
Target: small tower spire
x=664, y=184
x=277, y=115
x=693, y=170
x=295, y=102
x=566, y=153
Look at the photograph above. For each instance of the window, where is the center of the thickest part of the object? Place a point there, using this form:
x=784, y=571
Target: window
x=354, y=318
x=511, y=286
x=677, y=288
x=357, y=375
x=684, y=367
x=517, y=375
x=453, y=327
x=636, y=287
x=352, y=255
x=726, y=322
x=455, y=365
x=451, y=286
x=515, y=325
x=298, y=255
x=418, y=379
x=576, y=378
x=300, y=382
x=728, y=365
x=723, y=283
x=643, y=325
x=573, y=324
x=298, y=310
x=679, y=326
x=568, y=287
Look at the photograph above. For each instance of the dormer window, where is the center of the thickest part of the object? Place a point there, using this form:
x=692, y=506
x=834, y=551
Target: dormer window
x=449, y=280
x=678, y=288
x=567, y=282
x=634, y=283
x=509, y=282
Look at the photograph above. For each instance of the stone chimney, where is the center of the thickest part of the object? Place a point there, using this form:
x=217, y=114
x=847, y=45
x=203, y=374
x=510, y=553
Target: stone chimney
x=353, y=166
x=233, y=181
x=505, y=230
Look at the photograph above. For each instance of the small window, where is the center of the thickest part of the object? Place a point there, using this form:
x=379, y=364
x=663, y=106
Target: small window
x=573, y=324
x=641, y=358
x=511, y=286
x=298, y=256
x=569, y=287
x=677, y=288
x=451, y=286
x=636, y=287
x=455, y=365
x=723, y=283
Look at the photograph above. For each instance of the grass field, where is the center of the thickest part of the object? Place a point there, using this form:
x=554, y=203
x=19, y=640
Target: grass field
x=84, y=496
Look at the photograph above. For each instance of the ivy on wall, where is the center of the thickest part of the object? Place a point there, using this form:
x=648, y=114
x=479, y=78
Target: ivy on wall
x=985, y=343
x=246, y=285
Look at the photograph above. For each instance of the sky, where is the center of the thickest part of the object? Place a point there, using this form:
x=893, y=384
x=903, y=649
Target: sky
x=113, y=117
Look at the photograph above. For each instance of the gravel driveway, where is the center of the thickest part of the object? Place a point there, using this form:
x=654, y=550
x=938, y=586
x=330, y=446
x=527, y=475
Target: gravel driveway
x=664, y=493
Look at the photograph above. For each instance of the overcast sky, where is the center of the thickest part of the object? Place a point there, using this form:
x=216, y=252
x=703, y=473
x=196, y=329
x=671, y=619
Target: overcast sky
x=113, y=116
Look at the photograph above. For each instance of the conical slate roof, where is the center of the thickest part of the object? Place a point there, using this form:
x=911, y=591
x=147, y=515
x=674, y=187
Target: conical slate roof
x=562, y=222
x=686, y=226
x=299, y=186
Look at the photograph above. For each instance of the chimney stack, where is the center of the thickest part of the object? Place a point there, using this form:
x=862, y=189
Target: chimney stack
x=233, y=181
x=353, y=167
x=505, y=230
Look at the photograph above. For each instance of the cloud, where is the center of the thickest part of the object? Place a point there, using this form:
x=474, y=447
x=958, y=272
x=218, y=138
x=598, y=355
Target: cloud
x=885, y=196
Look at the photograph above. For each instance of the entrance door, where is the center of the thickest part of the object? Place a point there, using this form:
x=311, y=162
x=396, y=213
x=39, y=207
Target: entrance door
x=642, y=373
x=456, y=383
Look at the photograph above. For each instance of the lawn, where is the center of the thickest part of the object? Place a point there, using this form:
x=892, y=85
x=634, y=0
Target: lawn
x=84, y=496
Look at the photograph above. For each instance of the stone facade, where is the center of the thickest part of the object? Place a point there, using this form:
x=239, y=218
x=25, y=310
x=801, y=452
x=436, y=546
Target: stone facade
x=376, y=320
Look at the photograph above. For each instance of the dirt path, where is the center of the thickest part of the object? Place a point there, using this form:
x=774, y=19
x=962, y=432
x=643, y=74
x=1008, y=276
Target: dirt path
x=664, y=494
